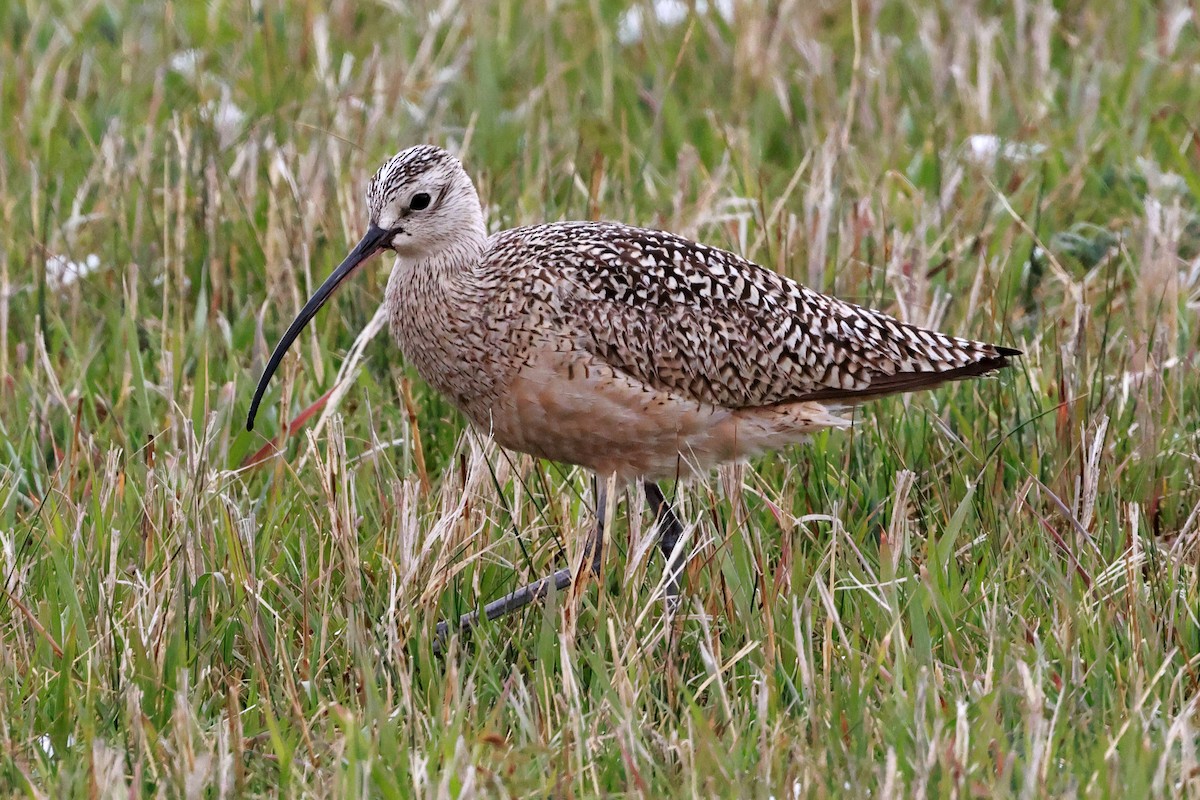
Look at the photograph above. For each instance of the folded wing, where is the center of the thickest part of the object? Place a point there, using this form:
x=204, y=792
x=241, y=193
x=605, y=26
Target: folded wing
x=713, y=327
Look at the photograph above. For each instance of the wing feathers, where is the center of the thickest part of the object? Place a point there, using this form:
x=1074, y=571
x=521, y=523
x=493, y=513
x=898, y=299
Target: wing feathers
x=709, y=325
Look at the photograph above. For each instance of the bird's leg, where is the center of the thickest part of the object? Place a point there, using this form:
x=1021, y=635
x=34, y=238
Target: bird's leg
x=595, y=543
x=527, y=594
x=669, y=531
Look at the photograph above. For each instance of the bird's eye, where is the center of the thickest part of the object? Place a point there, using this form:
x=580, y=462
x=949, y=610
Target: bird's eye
x=419, y=202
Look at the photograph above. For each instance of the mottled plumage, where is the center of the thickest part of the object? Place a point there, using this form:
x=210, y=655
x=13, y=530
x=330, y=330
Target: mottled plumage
x=713, y=327
x=627, y=351
x=620, y=349
x=616, y=348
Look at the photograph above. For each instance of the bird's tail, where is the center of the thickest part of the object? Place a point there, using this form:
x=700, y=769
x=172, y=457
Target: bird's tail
x=936, y=359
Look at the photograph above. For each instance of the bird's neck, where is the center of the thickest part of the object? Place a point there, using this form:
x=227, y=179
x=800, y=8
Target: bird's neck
x=434, y=305
x=435, y=290
x=456, y=254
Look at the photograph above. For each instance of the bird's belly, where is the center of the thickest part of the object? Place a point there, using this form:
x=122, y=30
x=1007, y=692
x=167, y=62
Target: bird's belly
x=572, y=408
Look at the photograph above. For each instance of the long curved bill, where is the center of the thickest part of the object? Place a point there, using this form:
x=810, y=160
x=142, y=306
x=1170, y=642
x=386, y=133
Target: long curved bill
x=374, y=241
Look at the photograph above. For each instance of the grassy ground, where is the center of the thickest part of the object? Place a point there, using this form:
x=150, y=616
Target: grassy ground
x=989, y=589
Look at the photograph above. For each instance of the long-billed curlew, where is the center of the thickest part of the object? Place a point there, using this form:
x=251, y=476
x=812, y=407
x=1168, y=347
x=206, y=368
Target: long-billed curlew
x=630, y=352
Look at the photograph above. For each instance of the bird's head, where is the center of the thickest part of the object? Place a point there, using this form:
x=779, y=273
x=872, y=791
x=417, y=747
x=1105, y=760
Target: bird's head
x=422, y=206
x=421, y=201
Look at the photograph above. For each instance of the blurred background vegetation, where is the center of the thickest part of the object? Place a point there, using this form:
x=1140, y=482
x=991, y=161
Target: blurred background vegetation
x=988, y=590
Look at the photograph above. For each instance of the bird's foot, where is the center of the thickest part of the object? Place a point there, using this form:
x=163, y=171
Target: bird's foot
x=505, y=605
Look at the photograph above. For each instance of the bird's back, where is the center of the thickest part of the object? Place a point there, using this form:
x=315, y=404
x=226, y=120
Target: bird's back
x=713, y=328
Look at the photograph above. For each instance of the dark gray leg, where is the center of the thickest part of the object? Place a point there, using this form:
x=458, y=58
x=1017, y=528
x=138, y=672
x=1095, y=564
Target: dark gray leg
x=561, y=579
x=669, y=531
x=595, y=544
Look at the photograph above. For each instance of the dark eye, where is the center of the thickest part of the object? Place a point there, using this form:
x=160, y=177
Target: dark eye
x=419, y=202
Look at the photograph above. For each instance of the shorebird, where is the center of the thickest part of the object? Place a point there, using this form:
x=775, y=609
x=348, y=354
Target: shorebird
x=633, y=353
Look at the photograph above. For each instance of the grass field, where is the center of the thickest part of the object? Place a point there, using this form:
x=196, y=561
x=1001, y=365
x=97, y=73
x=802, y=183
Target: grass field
x=990, y=589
